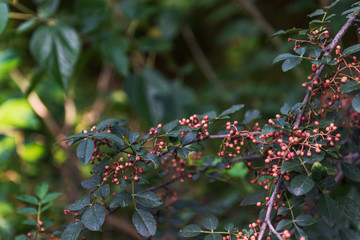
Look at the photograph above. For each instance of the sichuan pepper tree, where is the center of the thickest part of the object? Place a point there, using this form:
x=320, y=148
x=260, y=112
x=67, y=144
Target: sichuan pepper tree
x=297, y=158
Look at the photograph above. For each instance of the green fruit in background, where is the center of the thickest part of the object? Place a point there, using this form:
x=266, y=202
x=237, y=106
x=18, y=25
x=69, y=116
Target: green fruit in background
x=318, y=171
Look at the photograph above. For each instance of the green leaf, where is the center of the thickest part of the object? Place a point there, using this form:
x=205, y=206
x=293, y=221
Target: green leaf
x=229, y=227
x=56, y=47
x=301, y=184
x=231, y=110
x=332, y=4
x=315, y=52
x=30, y=222
x=94, y=217
x=154, y=159
x=41, y=190
x=328, y=183
x=350, y=50
x=349, y=86
x=350, y=207
x=350, y=171
x=285, y=109
x=290, y=63
x=92, y=182
x=183, y=152
x=9, y=59
x=305, y=220
x=316, y=13
x=28, y=199
x=144, y=223
x=268, y=129
x=27, y=25
x=284, y=224
x=79, y=204
x=291, y=165
x=328, y=207
x=315, y=157
x=191, y=230
x=109, y=136
x=75, y=136
x=103, y=191
x=278, y=33
x=133, y=137
x=4, y=11
x=282, y=57
x=317, y=23
x=72, y=231
x=301, y=51
x=255, y=197
x=170, y=126
x=27, y=210
x=49, y=197
x=46, y=206
x=91, y=14
x=300, y=233
x=282, y=210
x=116, y=54
x=188, y=138
x=213, y=236
x=121, y=199
x=21, y=237
x=46, y=8
x=356, y=102
x=148, y=199
x=85, y=150
x=210, y=222
x=350, y=12
x=239, y=170
x=112, y=122
x=251, y=115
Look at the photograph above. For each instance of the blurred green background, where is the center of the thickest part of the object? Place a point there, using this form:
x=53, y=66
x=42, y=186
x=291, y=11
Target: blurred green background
x=147, y=62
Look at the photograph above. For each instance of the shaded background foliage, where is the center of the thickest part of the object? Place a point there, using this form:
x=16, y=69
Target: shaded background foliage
x=146, y=62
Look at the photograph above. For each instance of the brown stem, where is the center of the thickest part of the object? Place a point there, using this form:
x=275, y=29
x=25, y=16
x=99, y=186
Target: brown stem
x=123, y=226
x=20, y=16
x=69, y=171
x=267, y=220
x=37, y=105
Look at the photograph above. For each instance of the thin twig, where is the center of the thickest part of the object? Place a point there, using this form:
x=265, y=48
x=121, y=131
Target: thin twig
x=20, y=6
x=260, y=19
x=184, y=174
x=37, y=105
x=123, y=225
x=100, y=102
x=200, y=57
x=267, y=221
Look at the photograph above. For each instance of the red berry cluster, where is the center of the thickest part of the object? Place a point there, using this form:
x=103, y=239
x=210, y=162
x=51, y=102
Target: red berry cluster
x=353, y=119
x=154, y=131
x=173, y=162
x=97, y=153
x=123, y=169
x=297, y=142
x=234, y=141
x=159, y=145
x=195, y=122
x=317, y=38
